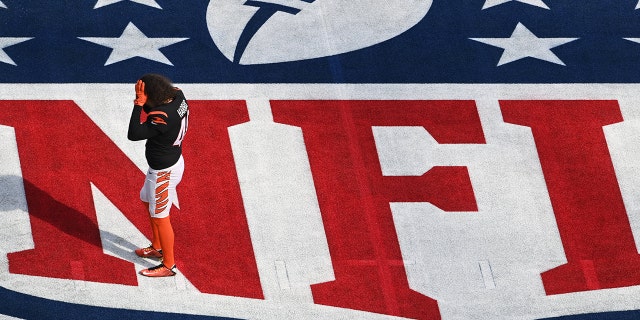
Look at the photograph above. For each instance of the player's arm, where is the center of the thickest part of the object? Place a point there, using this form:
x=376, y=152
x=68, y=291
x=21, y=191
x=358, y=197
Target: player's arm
x=139, y=131
x=156, y=120
x=156, y=123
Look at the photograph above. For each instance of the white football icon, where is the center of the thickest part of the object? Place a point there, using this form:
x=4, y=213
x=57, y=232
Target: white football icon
x=271, y=31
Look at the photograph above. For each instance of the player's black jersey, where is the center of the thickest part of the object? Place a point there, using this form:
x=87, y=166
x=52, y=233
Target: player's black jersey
x=164, y=129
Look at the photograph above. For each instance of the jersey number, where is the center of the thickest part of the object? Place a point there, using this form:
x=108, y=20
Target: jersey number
x=183, y=130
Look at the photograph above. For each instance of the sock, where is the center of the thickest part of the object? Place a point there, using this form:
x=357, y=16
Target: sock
x=165, y=230
x=155, y=240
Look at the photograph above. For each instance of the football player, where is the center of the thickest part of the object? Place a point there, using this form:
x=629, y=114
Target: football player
x=161, y=117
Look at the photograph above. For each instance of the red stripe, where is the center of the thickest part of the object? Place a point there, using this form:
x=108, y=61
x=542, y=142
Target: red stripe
x=365, y=193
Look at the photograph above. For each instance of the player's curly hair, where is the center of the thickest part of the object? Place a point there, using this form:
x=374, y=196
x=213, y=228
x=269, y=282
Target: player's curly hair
x=158, y=89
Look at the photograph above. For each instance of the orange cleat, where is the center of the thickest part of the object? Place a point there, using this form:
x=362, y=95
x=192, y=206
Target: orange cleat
x=149, y=252
x=159, y=271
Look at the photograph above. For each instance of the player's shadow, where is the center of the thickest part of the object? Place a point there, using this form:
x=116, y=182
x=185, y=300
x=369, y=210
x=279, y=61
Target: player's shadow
x=64, y=218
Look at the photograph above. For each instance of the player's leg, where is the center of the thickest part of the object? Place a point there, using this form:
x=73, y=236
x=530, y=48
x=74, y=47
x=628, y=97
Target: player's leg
x=165, y=196
x=167, y=239
x=154, y=250
x=155, y=241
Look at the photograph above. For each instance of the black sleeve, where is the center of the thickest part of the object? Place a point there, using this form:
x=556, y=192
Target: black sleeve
x=140, y=131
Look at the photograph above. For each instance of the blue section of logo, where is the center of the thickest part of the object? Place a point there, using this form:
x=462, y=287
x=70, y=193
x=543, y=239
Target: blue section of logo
x=24, y=306
x=438, y=49
x=621, y=315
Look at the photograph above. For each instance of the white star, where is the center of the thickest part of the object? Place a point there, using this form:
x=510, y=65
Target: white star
x=636, y=40
x=523, y=43
x=6, y=42
x=133, y=43
x=150, y=3
x=638, y=5
x=537, y=3
x=2, y=5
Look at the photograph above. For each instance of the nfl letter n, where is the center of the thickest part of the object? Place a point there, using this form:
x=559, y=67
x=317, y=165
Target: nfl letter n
x=63, y=218
x=61, y=153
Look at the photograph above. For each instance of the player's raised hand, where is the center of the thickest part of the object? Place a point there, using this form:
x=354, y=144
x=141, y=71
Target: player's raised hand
x=141, y=97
